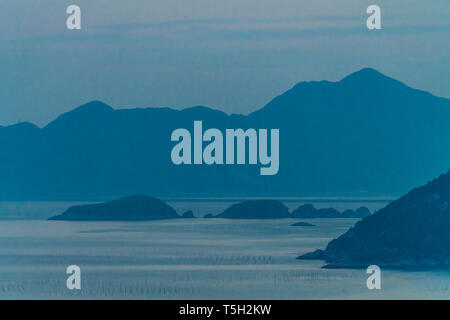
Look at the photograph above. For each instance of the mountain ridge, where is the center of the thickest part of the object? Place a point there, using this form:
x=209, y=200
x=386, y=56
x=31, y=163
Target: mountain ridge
x=108, y=107
x=334, y=140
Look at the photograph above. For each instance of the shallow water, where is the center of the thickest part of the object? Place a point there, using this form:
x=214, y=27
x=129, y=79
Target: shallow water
x=190, y=259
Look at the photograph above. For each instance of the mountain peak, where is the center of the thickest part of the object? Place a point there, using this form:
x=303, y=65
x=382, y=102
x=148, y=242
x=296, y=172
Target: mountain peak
x=83, y=113
x=201, y=110
x=93, y=106
x=367, y=75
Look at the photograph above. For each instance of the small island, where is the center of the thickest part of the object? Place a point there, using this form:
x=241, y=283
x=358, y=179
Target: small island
x=411, y=232
x=302, y=224
x=307, y=211
x=274, y=209
x=144, y=207
x=256, y=209
x=133, y=208
x=188, y=215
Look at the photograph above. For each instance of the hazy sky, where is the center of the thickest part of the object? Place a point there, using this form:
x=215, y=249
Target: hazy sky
x=235, y=55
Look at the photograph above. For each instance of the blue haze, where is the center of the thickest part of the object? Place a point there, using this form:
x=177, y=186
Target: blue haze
x=231, y=55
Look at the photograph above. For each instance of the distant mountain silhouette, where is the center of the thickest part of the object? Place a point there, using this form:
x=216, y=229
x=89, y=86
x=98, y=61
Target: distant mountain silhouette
x=411, y=232
x=133, y=208
x=366, y=135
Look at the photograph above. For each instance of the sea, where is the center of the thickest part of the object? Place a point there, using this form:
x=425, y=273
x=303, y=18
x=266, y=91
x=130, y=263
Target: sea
x=190, y=258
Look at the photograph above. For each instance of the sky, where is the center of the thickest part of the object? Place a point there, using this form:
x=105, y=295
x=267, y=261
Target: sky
x=233, y=55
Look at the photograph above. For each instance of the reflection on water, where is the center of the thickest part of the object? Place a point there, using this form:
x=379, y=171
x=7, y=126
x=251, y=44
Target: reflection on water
x=189, y=259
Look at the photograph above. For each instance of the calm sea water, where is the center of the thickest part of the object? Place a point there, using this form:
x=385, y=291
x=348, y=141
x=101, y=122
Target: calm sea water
x=187, y=259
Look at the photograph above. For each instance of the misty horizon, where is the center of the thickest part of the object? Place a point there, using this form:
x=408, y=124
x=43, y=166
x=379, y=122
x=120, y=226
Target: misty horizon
x=233, y=56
